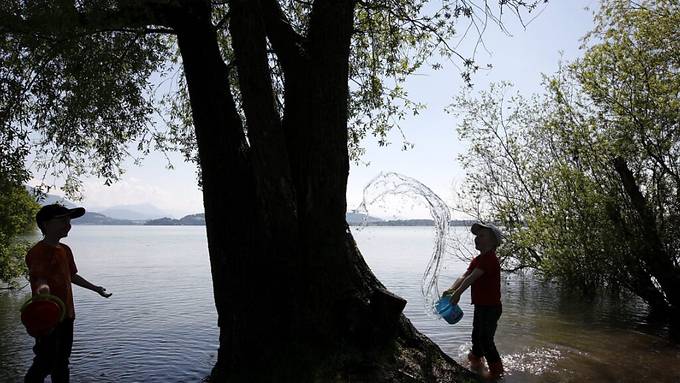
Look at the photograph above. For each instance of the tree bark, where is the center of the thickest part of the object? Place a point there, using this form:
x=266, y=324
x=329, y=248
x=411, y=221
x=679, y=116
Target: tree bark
x=227, y=180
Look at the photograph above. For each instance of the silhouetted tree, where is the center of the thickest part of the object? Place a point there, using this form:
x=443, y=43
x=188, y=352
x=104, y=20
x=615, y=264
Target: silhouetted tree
x=267, y=99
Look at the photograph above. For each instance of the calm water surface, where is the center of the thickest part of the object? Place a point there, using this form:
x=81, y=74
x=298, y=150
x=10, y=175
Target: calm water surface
x=159, y=325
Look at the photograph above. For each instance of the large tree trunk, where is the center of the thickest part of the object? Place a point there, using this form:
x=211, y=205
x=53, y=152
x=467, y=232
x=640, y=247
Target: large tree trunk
x=227, y=181
x=295, y=299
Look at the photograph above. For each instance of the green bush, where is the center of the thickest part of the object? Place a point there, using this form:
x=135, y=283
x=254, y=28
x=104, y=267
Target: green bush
x=17, y=212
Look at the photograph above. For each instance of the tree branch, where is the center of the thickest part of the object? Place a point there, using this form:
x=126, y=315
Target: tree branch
x=286, y=42
x=128, y=15
x=264, y=124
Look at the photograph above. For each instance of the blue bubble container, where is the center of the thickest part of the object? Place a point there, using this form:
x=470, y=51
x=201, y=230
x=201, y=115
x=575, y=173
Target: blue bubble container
x=451, y=313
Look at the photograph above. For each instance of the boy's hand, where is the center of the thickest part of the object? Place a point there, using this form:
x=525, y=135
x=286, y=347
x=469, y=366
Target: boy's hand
x=102, y=291
x=43, y=289
x=455, y=298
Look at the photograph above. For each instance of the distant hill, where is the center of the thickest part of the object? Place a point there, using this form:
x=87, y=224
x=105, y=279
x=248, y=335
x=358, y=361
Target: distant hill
x=193, y=219
x=146, y=214
x=116, y=215
x=354, y=219
x=51, y=199
x=138, y=212
x=404, y=222
x=100, y=219
x=165, y=221
x=188, y=220
x=419, y=222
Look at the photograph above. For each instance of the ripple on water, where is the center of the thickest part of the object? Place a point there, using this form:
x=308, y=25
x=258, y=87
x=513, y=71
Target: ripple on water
x=536, y=361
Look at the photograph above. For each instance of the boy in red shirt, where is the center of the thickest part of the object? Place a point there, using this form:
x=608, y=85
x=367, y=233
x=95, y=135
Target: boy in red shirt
x=484, y=275
x=51, y=270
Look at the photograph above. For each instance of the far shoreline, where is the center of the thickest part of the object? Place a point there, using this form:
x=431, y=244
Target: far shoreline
x=177, y=222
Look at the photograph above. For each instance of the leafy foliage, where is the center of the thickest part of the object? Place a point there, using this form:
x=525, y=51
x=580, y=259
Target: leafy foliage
x=17, y=212
x=393, y=40
x=553, y=169
x=76, y=98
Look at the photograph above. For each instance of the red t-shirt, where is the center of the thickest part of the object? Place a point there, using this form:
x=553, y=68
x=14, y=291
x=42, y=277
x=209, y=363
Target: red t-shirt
x=486, y=290
x=55, y=265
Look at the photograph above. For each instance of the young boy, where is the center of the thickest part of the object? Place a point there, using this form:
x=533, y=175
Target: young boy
x=51, y=270
x=484, y=275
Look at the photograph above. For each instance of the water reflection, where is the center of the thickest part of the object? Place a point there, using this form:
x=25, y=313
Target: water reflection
x=553, y=334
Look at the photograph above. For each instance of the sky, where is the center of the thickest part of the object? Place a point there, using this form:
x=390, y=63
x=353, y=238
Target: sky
x=520, y=58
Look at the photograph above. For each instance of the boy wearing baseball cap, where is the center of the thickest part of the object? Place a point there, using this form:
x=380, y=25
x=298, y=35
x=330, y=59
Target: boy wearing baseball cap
x=484, y=275
x=52, y=270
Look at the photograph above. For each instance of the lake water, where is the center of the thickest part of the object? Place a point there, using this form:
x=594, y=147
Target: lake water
x=160, y=323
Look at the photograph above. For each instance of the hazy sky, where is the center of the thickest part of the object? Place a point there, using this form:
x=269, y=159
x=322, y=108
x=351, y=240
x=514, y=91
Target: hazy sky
x=520, y=58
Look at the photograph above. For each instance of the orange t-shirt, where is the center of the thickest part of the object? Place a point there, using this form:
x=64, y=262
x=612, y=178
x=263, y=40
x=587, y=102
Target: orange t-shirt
x=55, y=265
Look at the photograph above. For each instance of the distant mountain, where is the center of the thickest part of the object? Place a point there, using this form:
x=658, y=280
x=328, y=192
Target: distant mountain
x=51, y=199
x=100, y=219
x=412, y=222
x=134, y=214
x=165, y=221
x=354, y=219
x=147, y=214
x=138, y=212
x=404, y=222
x=193, y=219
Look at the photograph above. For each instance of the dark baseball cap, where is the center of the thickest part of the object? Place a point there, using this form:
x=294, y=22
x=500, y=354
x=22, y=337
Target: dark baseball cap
x=55, y=210
x=478, y=226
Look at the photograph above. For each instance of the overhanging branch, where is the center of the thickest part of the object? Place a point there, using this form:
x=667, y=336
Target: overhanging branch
x=145, y=16
x=287, y=43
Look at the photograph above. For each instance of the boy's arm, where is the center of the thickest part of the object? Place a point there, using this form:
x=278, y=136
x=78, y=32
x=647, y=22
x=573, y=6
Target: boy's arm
x=457, y=283
x=82, y=282
x=37, y=277
x=467, y=282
